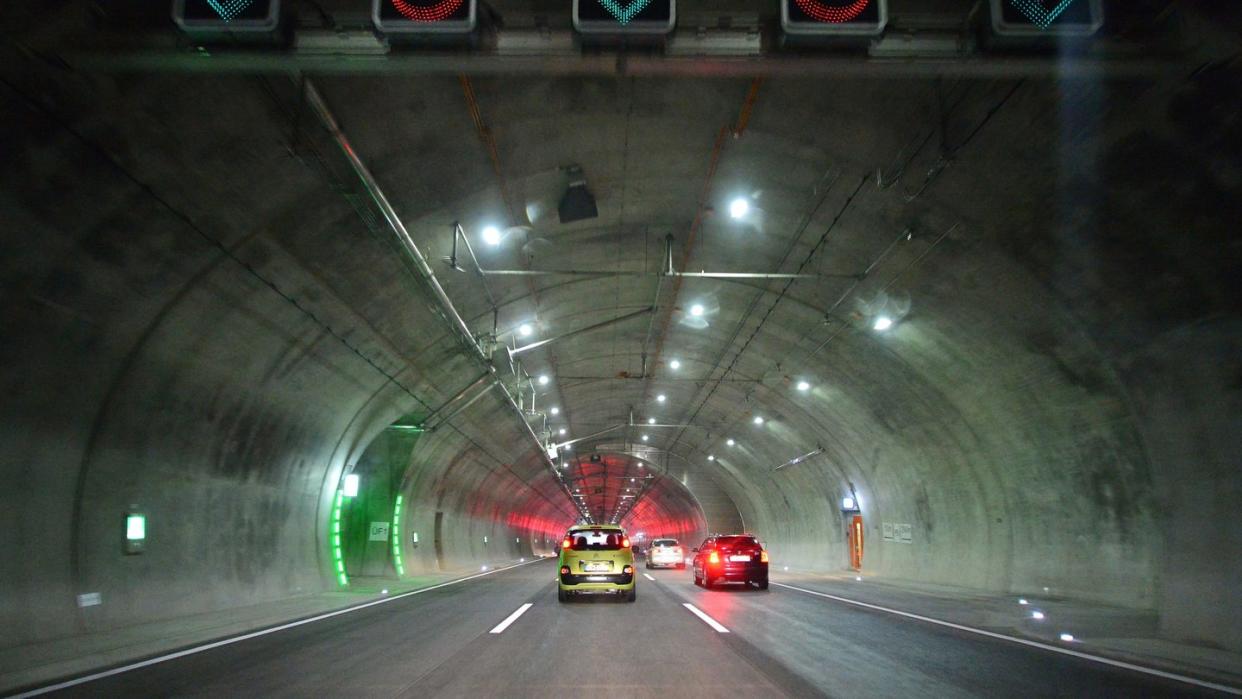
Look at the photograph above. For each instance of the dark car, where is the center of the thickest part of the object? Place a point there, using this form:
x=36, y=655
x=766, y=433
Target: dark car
x=731, y=558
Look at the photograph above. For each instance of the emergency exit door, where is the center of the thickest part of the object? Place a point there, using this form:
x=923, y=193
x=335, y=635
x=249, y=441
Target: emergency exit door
x=854, y=539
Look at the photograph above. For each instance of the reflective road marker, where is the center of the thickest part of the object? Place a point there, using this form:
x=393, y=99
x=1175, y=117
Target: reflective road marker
x=511, y=618
x=648, y=576
x=706, y=619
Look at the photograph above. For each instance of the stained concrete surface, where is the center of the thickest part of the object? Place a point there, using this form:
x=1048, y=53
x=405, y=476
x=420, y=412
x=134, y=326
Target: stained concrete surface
x=202, y=320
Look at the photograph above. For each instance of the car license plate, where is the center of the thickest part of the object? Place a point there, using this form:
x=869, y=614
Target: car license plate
x=597, y=567
x=739, y=559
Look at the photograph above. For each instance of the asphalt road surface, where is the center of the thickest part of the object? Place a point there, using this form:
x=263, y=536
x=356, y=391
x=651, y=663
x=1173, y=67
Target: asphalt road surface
x=454, y=641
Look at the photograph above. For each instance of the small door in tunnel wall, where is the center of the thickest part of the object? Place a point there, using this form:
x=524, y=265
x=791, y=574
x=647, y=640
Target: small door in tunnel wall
x=439, y=540
x=854, y=539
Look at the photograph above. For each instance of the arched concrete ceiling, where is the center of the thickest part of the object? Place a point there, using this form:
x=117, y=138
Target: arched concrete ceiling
x=206, y=298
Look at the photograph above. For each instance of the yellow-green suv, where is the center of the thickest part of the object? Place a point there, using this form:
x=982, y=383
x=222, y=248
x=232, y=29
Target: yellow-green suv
x=596, y=558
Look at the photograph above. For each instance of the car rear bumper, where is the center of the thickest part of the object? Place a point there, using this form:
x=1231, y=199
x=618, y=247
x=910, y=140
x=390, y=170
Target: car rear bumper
x=597, y=582
x=664, y=561
x=739, y=571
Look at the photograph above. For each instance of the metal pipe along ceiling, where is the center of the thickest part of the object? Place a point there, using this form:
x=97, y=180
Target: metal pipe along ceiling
x=426, y=275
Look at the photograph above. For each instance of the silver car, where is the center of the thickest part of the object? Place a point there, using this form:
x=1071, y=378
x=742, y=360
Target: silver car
x=665, y=553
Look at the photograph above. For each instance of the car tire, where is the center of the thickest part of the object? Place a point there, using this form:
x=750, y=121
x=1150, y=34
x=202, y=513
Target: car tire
x=697, y=580
x=648, y=565
x=762, y=583
x=707, y=581
x=561, y=595
x=632, y=594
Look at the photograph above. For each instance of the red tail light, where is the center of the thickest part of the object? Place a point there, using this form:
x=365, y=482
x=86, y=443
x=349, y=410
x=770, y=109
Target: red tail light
x=625, y=542
x=713, y=557
x=763, y=556
x=564, y=570
x=628, y=570
x=566, y=543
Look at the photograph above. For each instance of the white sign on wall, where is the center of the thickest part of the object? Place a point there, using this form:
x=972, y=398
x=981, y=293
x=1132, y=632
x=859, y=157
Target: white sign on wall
x=904, y=533
x=896, y=532
x=379, y=531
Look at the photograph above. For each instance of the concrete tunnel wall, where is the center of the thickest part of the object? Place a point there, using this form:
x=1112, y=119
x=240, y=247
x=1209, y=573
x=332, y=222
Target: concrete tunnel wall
x=1056, y=410
x=150, y=368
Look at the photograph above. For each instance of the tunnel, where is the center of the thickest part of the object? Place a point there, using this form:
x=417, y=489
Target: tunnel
x=307, y=331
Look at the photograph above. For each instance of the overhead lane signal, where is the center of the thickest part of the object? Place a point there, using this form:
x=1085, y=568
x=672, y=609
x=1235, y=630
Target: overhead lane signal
x=227, y=15
x=424, y=16
x=1046, y=17
x=834, y=17
x=625, y=16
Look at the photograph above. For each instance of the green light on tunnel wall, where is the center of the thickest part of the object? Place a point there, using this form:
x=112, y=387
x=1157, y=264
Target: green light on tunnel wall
x=135, y=527
x=396, y=538
x=338, y=560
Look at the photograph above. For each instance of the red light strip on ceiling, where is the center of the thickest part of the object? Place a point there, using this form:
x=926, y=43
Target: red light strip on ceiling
x=432, y=13
x=827, y=13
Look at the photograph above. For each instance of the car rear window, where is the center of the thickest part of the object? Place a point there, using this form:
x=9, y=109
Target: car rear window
x=734, y=541
x=596, y=540
x=664, y=542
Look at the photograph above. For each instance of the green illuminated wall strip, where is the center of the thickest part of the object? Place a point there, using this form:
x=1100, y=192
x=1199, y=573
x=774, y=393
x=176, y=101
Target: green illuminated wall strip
x=396, y=538
x=338, y=561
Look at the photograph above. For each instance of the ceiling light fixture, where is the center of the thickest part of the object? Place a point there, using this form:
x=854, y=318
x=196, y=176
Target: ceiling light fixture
x=650, y=421
x=711, y=457
x=543, y=380
x=730, y=441
x=739, y=207
x=525, y=330
x=491, y=235
x=674, y=364
x=555, y=411
x=697, y=309
x=561, y=431
x=804, y=386
x=644, y=438
x=883, y=323
x=758, y=419
x=660, y=398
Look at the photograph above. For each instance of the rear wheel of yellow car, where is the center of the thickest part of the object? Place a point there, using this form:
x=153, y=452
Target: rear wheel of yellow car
x=561, y=595
x=632, y=594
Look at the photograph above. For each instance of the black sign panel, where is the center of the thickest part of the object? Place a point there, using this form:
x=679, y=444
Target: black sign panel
x=232, y=15
x=1046, y=17
x=424, y=16
x=834, y=17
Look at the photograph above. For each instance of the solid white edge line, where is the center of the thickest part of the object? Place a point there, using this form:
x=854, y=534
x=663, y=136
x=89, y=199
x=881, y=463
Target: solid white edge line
x=706, y=619
x=499, y=628
x=254, y=634
x=1034, y=644
x=648, y=576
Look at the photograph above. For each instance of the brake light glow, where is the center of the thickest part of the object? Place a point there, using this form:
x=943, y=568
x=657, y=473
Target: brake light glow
x=713, y=557
x=564, y=570
x=625, y=542
x=763, y=556
x=566, y=543
x=628, y=570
